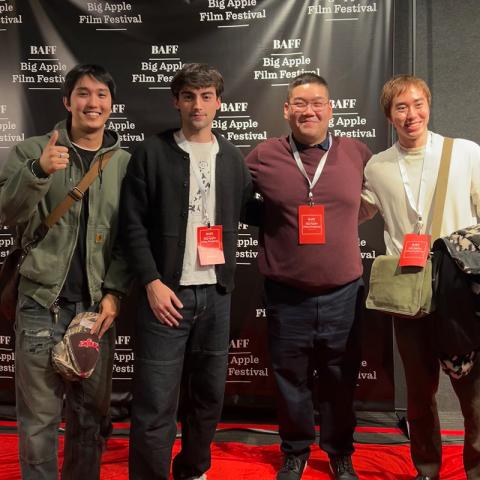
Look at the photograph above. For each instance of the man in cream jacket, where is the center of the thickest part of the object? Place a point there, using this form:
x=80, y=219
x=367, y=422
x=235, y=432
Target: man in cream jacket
x=400, y=184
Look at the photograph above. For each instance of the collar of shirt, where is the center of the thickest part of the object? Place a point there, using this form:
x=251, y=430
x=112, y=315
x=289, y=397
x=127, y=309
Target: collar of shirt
x=322, y=146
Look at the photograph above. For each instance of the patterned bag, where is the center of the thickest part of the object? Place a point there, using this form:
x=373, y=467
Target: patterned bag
x=456, y=288
x=75, y=357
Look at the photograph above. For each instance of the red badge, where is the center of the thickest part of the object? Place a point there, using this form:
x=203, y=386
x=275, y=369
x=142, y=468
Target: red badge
x=311, y=224
x=210, y=245
x=415, y=250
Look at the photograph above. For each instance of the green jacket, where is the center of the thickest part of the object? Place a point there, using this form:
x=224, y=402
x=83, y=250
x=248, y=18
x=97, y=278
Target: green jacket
x=25, y=201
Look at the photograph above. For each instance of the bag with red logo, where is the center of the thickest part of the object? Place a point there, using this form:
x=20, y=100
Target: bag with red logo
x=75, y=357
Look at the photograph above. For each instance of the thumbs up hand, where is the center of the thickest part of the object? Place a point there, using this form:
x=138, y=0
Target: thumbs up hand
x=54, y=157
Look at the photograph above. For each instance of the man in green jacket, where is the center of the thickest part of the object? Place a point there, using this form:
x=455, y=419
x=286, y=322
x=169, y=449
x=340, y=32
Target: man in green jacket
x=77, y=266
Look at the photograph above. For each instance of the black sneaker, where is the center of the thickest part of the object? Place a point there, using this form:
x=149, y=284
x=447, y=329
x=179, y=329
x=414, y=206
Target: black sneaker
x=342, y=468
x=293, y=467
x=425, y=477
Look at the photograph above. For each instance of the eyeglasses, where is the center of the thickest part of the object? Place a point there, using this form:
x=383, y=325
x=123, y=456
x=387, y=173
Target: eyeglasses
x=302, y=105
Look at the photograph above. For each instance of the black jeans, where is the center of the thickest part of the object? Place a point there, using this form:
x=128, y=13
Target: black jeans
x=193, y=356
x=319, y=333
x=416, y=344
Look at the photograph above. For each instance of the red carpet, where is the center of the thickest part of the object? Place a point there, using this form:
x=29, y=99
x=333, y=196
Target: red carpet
x=235, y=461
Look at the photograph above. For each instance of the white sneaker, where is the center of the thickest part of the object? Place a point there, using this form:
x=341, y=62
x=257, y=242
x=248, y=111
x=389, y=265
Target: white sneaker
x=203, y=477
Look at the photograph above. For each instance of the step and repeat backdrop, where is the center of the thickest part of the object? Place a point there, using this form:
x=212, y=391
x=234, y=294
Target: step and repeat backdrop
x=259, y=46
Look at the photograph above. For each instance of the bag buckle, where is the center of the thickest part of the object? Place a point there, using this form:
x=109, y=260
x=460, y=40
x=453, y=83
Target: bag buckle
x=76, y=194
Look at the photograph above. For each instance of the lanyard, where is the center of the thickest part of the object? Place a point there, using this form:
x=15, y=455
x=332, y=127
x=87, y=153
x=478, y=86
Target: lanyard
x=417, y=206
x=205, y=192
x=318, y=171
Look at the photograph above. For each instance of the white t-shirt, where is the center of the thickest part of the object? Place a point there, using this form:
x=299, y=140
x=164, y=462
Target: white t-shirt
x=204, y=155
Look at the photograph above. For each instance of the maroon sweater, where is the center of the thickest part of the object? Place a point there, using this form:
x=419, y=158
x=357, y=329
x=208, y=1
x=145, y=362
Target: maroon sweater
x=313, y=268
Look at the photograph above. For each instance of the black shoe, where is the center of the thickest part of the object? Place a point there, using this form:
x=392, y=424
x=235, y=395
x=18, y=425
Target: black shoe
x=293, y=467
x=424, y=477
x=342, y=468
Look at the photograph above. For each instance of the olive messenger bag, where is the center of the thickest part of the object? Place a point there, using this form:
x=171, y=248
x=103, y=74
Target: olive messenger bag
x=407, y=291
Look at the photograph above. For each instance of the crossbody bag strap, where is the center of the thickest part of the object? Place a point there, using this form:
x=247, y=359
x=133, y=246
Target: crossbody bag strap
x=77, y=192
x=441, y=187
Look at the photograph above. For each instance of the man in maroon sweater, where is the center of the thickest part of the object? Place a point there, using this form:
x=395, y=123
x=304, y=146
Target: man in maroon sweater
x=310, y=182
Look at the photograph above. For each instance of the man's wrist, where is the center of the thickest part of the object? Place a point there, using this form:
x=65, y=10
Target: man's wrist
x=115, y=293
x=152, y=283
x=37, y=170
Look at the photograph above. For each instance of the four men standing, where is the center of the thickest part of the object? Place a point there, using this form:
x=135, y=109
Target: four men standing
x=184, y=193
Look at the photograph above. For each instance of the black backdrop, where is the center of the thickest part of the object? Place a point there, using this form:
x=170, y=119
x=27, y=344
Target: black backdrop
x=258, y=45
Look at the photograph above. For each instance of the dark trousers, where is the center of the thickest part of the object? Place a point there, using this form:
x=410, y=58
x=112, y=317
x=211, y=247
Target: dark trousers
x=319, y=333
x=191, y=358
x=416, y=344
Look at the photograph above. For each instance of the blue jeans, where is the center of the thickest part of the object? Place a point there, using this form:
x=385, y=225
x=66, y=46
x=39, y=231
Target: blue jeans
x=40, y=391
x=309, y=333
x=191, y=358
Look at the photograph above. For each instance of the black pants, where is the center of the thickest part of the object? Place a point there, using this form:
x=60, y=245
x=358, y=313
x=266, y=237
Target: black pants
x=416, y=344
x=319, y=333
x=192, y=356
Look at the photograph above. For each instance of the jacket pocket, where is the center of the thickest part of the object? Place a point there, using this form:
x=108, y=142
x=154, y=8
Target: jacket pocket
x=99, y=251
x=47, y=262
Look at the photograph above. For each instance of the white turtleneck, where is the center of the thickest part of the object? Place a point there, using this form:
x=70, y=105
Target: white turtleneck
x=384, y=188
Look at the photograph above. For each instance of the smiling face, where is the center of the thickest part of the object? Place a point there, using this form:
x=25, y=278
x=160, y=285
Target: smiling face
x=308, y=112
x=409, y=114
x=197, y=108
x=90, y=104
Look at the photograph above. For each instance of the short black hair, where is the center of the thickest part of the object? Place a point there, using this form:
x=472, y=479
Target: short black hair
x=95, y=71
x=303, y=79
x=197, y=75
